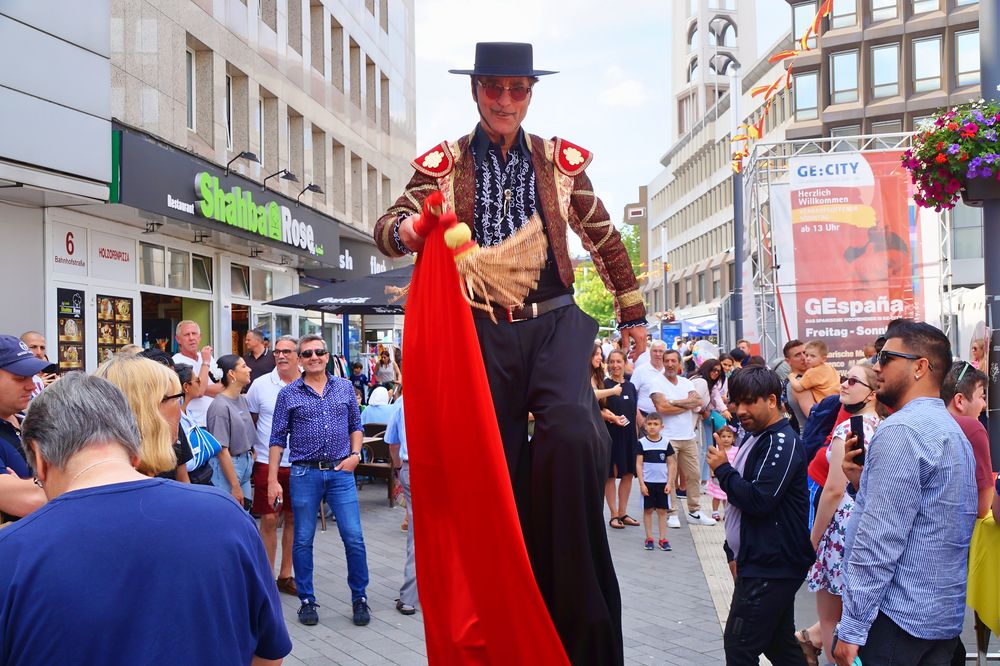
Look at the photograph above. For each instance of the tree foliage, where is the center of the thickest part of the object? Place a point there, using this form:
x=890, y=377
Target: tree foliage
x=591, y=294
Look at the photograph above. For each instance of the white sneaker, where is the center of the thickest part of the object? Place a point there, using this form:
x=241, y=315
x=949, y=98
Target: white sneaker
x=699, y=519
x=674, y=522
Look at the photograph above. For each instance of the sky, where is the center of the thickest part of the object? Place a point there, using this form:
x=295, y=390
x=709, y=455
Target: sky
x=612, y=94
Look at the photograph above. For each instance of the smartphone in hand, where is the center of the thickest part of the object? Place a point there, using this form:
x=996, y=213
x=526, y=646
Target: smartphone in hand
x=858, y=430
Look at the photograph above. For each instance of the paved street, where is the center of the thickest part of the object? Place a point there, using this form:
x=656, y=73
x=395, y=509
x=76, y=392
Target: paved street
x=669, y=616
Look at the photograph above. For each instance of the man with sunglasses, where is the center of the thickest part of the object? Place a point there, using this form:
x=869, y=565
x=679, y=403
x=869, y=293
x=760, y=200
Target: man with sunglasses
x=316, y=417
x=907, y=543
x=497, y=179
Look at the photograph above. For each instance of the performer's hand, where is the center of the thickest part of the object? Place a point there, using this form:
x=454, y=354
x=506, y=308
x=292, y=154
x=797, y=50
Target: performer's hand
x=638, y=336
x=411, y=239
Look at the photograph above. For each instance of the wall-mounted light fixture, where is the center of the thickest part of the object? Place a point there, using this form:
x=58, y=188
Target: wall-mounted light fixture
x=311, y=187
x=244, y=155
x=285, y=175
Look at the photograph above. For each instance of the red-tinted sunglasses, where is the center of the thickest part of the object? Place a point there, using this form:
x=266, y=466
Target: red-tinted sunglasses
x=494, y=91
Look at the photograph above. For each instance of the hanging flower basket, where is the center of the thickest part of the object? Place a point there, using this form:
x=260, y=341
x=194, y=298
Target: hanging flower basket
x=956, y=153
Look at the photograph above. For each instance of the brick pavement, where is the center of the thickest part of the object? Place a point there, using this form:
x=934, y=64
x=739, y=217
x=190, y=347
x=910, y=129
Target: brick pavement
x=668, y=612
x=668, y=616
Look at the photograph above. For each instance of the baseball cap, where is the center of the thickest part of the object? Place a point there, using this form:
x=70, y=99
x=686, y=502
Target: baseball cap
x=16, y=358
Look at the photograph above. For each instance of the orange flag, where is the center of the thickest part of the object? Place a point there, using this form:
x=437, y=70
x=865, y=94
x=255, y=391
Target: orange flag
x=477, y=591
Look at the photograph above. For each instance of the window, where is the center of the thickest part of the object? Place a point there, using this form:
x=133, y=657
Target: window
x=731, y=270
x=179, y=276
x=966, y=232
x=927, y=64
x=959, y=3
x=885, y=70
x=262, y=284
x=677, y=294
x=921, y=6
x=151, y=265
x=844, y=14
x=887, y=127
x=716, y=283
x=190, y=71
x=884, y=9
x=692, y=7
x=844, y=77
x=702, y=293
x=201, y=273
x=803, y=14
x=687, y=291
x=692, y=69
x=229, y=112
x=967, y=57
x=239, y=277
x=806, y=91
x=722, y=4
x=844, y=145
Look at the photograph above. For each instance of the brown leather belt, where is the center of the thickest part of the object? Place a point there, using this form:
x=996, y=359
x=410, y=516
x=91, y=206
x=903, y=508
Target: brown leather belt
x=528, y=310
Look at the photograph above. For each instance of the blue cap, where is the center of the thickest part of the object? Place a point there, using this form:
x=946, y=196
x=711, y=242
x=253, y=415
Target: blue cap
x=17, y=359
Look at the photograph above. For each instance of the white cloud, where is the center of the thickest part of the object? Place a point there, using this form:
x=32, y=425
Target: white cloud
x=628, y=93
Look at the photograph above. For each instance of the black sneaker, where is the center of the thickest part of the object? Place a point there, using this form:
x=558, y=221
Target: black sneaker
x=362, y=614
x=307, y=613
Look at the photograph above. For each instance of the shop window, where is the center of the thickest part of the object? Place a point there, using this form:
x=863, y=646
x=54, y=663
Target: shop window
x=885, y=70
x=883, y=10
x=967, y=47
x=201, y=273
x=179, y=276
x=151, y=265
x=239, y=277
x=261, y=285
x=927, y=64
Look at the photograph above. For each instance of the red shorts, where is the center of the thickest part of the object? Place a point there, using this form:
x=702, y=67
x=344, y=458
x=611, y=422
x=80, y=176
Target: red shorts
x=259, y=480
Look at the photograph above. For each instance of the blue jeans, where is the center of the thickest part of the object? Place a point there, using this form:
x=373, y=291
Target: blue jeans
x=242, y=465
x=707, y=440
x=308, y=486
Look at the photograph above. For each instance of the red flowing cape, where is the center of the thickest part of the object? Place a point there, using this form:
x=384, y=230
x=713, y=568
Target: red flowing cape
x=477, y=591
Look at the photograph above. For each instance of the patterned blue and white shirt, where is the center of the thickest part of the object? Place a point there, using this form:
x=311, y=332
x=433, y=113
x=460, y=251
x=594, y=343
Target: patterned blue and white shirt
x=505, y=190
x=316, y=427
x=907, y=545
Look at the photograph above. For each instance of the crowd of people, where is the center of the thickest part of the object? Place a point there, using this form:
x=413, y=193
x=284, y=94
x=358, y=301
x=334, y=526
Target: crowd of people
x=274, y=430
x=850, y=482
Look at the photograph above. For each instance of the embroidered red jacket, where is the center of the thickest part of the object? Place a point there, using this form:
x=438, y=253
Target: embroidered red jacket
x=566, y=197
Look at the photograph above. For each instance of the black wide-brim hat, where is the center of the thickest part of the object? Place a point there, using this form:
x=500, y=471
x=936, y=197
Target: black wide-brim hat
x=503, y=59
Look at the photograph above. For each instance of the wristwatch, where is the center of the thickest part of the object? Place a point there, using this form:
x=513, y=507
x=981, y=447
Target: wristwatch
x=355, y=453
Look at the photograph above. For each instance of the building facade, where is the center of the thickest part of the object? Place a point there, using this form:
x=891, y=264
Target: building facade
x=249, y=147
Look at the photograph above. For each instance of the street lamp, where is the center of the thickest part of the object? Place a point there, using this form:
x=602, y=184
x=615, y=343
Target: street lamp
x=311, y=187
x=285, y=175
x=244, y=155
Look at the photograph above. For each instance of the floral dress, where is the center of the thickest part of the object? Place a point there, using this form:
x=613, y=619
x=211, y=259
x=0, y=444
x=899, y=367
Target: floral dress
x=827, y=572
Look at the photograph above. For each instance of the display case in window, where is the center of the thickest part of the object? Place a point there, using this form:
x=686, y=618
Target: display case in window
x=114, y=325
x=71, y=317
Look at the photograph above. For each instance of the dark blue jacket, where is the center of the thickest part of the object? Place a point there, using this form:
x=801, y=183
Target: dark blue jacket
x=774, y=501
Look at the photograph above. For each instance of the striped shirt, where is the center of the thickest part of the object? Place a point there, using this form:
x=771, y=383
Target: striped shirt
x=908, y=539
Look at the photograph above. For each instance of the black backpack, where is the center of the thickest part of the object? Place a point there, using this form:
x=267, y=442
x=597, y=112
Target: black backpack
x=820, y=423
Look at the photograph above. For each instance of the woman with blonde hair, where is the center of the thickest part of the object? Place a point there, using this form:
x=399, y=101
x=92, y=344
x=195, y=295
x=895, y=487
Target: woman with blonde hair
x=153, y=392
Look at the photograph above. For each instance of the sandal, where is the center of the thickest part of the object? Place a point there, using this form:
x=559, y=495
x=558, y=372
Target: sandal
x=810, y=651
x=616, y=523
x=629, y=520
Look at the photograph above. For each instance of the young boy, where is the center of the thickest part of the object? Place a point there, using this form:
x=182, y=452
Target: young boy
x=360, y=382
x=654, y=467
x=820, y=379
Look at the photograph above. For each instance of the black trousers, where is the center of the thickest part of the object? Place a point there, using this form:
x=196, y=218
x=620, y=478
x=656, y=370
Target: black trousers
x=762, y=621
x=541, y=366
x=889, y=645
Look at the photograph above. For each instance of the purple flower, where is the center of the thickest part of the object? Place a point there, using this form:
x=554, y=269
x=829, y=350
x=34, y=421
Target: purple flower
x=978, y=116
x=990, y=135
x=953, y=149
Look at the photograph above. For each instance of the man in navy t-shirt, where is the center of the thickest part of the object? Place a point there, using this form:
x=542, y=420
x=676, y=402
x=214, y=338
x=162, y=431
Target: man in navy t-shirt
x=18, y=365
x=99, y=575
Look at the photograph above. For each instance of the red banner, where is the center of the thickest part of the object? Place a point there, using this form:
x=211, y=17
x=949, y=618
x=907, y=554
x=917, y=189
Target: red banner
x=856, y=249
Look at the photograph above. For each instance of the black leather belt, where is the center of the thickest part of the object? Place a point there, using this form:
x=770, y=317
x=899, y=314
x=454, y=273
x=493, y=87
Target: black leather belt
x=528, y=310
x=321, y=464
